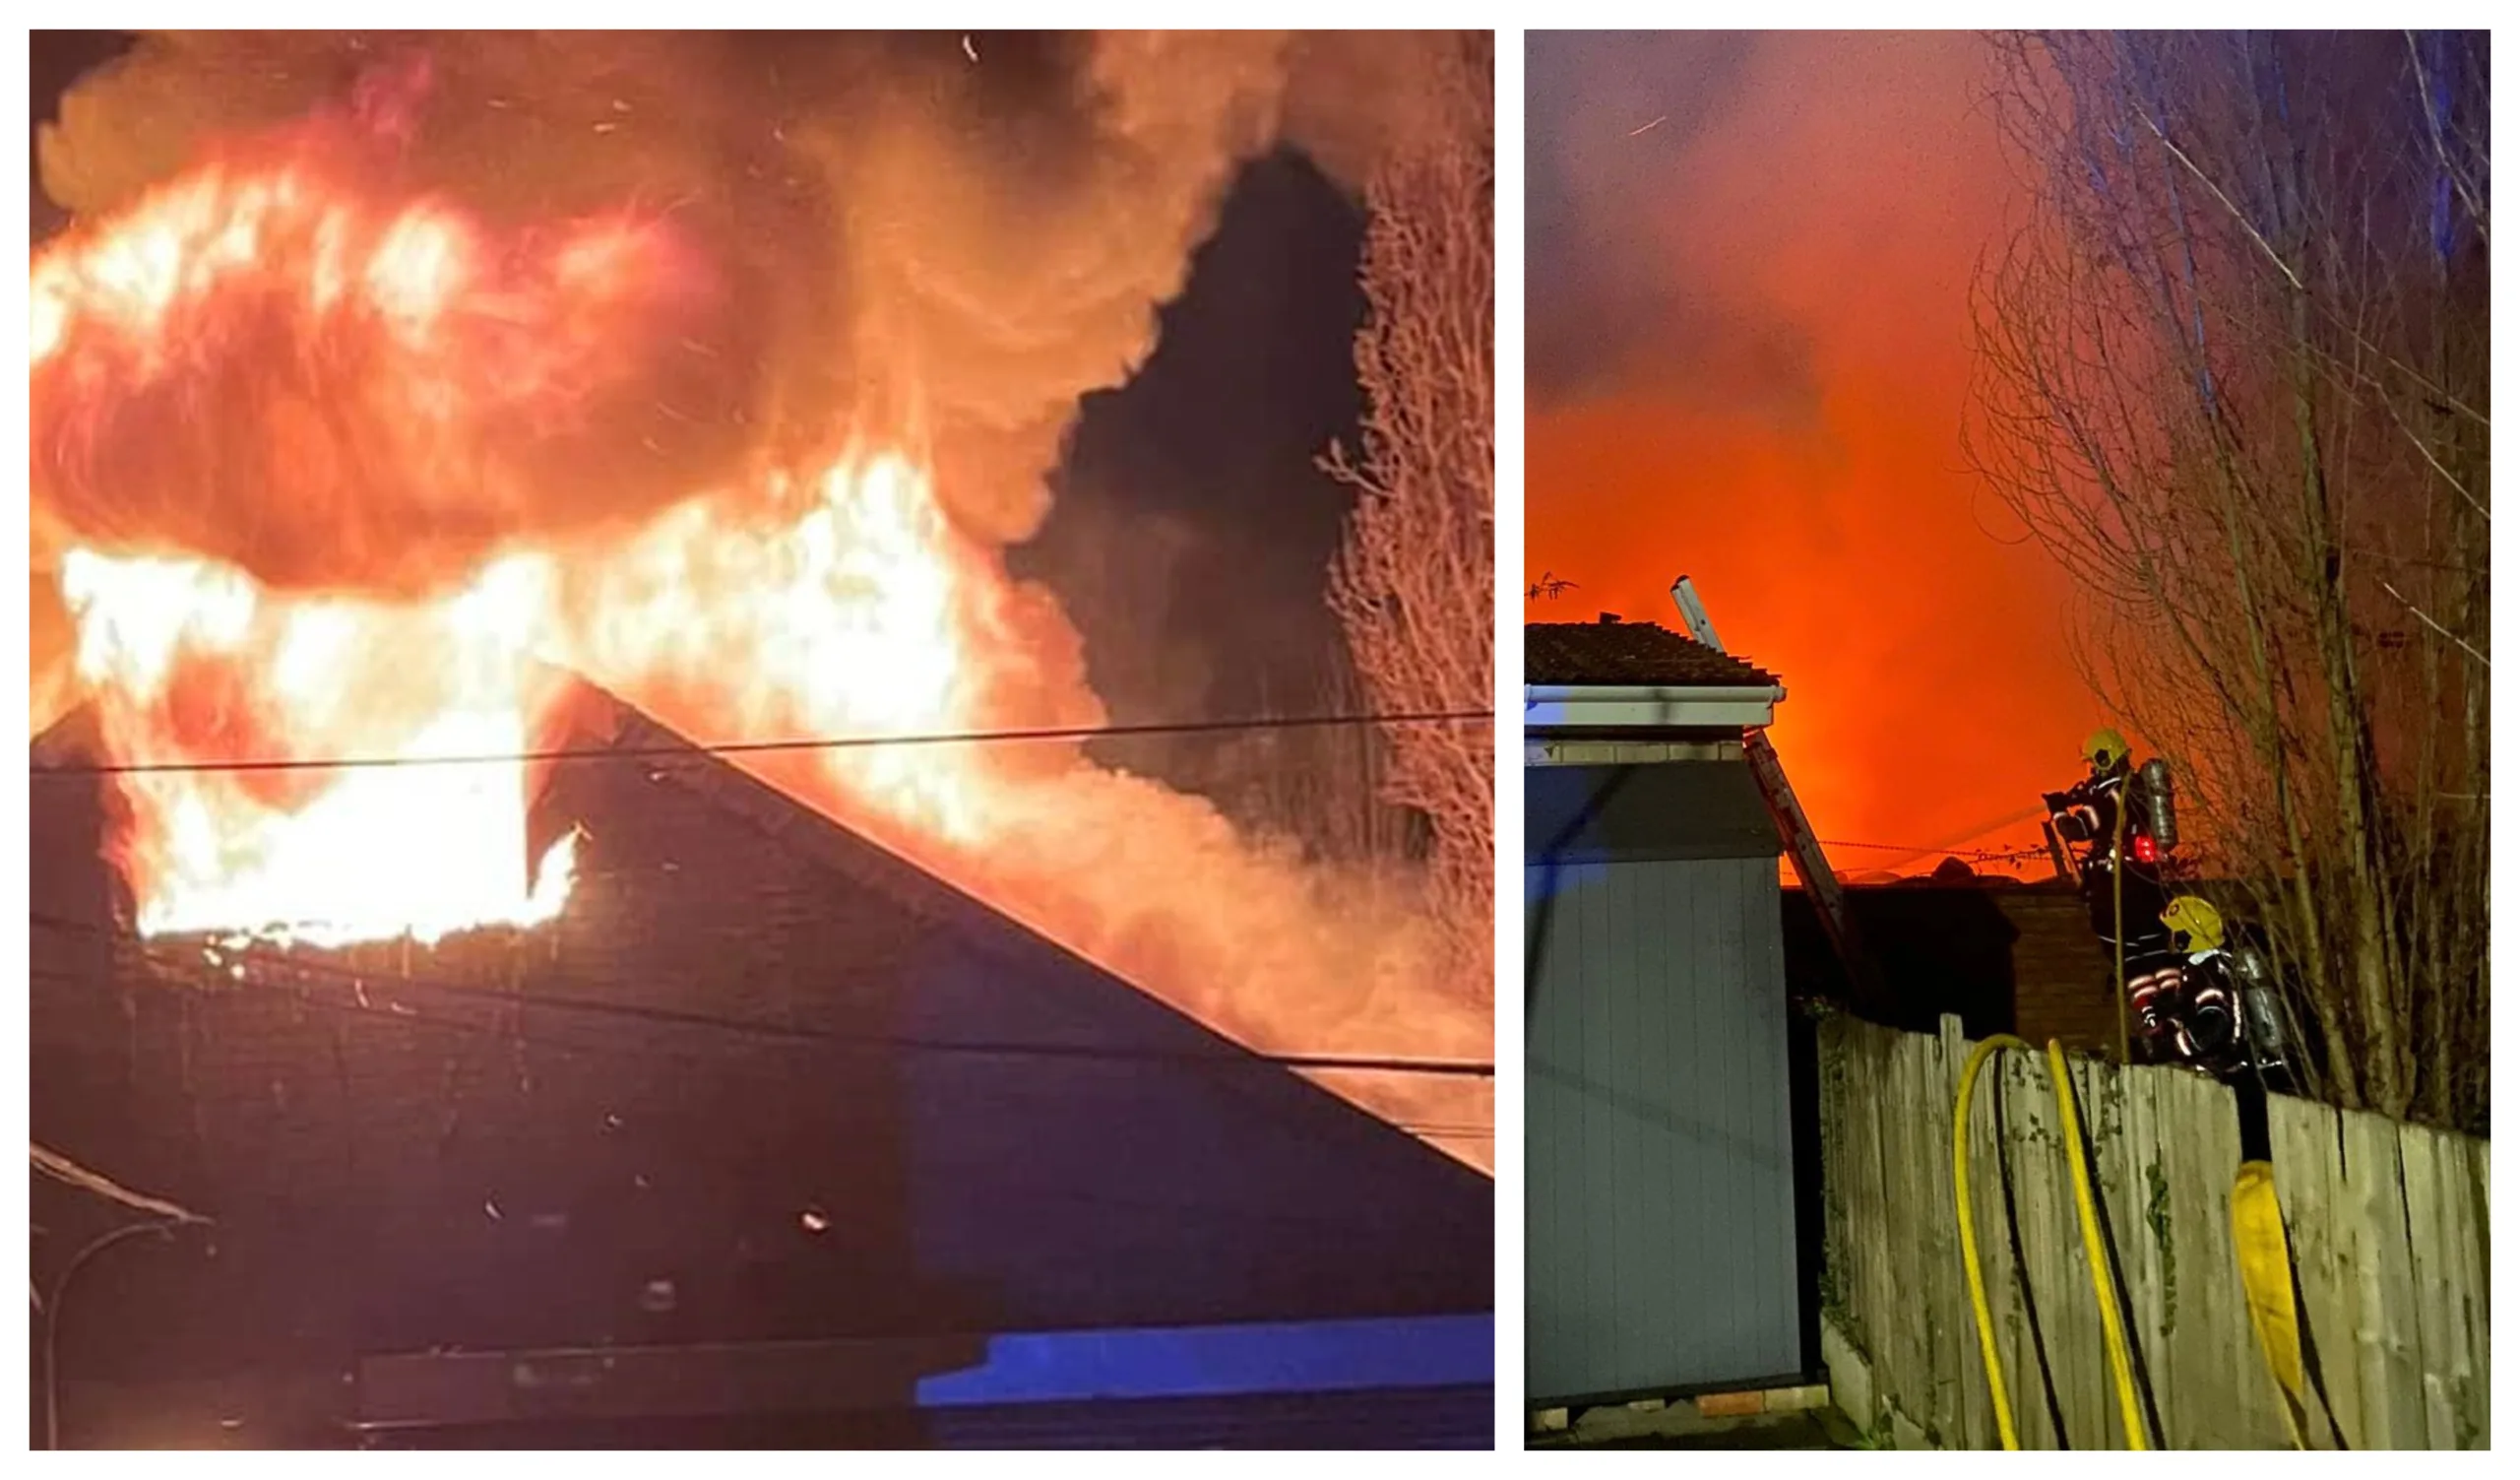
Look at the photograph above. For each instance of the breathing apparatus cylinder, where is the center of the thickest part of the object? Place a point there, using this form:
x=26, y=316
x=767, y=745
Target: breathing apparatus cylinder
x=2161, y=805
x=2261, y=1012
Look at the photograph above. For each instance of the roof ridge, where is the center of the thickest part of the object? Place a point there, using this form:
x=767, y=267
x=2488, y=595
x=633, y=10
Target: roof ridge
x=1616, y=653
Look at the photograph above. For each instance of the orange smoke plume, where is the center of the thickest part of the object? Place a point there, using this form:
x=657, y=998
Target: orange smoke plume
x=1751, y=355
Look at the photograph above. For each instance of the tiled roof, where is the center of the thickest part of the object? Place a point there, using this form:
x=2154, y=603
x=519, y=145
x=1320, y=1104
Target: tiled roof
x=1613, y=652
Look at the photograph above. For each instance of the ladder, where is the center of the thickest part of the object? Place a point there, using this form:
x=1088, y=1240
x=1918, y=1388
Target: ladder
x=1802, y=845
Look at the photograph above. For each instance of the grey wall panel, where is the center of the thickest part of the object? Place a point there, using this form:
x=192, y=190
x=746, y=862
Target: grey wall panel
x=1636, y=813
x=1658, y=1232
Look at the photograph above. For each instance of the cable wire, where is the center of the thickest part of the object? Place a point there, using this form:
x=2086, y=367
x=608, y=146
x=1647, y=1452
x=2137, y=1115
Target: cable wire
x=1174, y=1208
x=684, y=1018
x=394, y=1013
x=685, y=750
x=2026, y=851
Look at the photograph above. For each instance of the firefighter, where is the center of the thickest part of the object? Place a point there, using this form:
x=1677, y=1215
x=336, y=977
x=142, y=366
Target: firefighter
x=2088, y=815
x=2087, y=812
x=2203, y=1007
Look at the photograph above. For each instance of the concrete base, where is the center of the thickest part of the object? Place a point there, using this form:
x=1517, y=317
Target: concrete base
x=1760, y=1418
x=1681, y=1426
x=1850, y=1374
x=1851, y=1381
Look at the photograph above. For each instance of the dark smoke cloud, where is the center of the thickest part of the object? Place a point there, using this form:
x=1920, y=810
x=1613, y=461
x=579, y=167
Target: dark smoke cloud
x=902, y=243
x=1626, y=293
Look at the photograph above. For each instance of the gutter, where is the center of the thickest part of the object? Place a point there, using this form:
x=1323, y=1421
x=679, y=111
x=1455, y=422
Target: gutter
x=1589, y=706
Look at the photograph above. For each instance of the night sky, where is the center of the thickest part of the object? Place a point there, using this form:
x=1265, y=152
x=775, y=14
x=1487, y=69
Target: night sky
x=1749, y=354
x=1192, y=534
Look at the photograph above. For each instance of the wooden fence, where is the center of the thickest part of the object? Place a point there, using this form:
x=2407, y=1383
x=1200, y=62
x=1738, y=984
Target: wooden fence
x=2387, y=1222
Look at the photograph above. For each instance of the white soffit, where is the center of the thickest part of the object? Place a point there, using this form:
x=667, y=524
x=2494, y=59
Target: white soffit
x=1557, y=706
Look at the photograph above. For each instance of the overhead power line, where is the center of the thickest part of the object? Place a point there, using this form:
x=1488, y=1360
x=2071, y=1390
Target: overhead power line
x=750, y=1027
x=1429, y=1132
x=1957, y=853
x=1448, y=1130
x=686, y=750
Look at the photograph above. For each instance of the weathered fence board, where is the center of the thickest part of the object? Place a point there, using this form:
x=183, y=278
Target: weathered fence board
x=2389, y=1356
x=1867, y=1203
x=2129, y=1161
x=2387, y=1223
x=2308, y=1174
x=1941, y=1283
x=2449, y=1263
x=1908, y=1348
x=2002, y=1300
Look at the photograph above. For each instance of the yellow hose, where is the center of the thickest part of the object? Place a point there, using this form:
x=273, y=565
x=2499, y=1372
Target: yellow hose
x=1969, y=1234
x=2266, y=1275
x=2102, y=1281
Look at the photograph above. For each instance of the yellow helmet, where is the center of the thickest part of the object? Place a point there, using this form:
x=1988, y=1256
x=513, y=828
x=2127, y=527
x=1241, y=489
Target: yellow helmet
x=2105, y=748
x=2195, y=925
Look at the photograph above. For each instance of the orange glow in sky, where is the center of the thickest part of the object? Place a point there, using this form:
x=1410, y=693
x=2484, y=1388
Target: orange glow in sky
x=1834, y=201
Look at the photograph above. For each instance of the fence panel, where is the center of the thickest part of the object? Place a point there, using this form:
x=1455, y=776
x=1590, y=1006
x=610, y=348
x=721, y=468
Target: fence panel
x=2388, y=1226
x=2450, y=1258
x=2388, y=1354
x=2309, y=1174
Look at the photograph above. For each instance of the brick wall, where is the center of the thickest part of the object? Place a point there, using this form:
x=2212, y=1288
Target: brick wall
x=2006, y=958
x=2064, y=984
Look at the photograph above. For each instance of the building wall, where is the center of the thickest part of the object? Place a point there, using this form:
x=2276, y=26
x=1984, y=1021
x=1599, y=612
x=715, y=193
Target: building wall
x=2064, y=980
x=1661, y=1230
x=2004, y=958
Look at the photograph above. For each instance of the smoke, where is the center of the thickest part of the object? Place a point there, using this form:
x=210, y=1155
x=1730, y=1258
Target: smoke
x=1357, y=98
x=1627, y=289
x=881, y=237
x=1759, y=316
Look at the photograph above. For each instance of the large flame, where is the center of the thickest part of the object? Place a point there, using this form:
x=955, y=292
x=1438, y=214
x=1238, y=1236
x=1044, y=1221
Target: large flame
x=341, y=380
x=401, y=361
x=189, y=660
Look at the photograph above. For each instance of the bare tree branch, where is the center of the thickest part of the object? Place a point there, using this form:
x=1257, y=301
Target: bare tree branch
x=2239, y=217
x=2422, y=616
x=62, y=1169
x=2240, y=470
x=1413, y=584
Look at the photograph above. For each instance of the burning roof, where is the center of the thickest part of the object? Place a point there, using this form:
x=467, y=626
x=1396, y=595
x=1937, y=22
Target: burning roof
x=758, y=1080
x=1612, y=652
